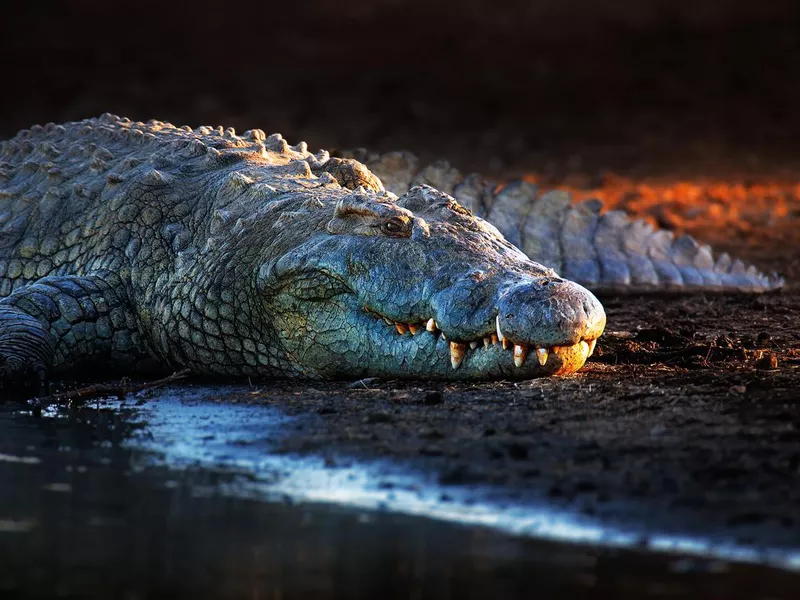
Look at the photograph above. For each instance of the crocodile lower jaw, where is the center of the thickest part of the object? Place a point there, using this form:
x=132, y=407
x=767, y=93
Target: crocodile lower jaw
x=570, y=357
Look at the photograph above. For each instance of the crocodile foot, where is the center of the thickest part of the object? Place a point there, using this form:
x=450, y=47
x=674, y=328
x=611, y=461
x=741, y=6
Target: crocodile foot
x=26, y=350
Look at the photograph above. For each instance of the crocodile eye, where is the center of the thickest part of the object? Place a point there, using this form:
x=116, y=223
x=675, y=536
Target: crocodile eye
x=396, y=227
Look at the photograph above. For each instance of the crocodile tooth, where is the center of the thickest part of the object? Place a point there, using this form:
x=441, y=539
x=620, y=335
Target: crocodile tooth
x=413, y=328
x=506, y=343
x=444, y=337
x=494, y=339
x=541, y=355
x=520, y=354
x=473, y=345
x=592, y=344
x=388, y=321
x=430, y=325
x=499, y=333
x=457, y=352
x=487, y=342
x=402, y=328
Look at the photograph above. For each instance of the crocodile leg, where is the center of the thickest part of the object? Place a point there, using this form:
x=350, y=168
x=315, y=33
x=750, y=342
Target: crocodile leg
x=61, y=322
x=604, y=251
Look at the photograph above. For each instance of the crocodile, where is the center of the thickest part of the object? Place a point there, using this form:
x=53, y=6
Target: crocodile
x=134, y=247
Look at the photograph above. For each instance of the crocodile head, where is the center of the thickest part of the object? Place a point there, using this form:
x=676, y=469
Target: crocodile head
x=420, y=287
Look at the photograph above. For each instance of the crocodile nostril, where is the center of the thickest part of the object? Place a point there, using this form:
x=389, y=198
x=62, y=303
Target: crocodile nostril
x=549, y=281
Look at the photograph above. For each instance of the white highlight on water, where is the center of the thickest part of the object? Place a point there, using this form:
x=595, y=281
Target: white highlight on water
x=186, y=430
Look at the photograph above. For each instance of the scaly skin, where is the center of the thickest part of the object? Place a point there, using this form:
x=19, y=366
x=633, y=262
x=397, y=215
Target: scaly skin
x=138, y=246
x=605, y=251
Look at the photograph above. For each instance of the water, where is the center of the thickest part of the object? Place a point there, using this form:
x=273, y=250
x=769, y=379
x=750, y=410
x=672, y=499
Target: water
x=185, y=494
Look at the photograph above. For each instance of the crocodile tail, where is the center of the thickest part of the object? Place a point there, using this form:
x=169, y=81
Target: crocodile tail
x=609, y=251
x=605, y=251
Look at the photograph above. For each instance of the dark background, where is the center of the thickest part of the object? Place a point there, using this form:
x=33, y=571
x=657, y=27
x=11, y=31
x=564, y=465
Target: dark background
x=635, y=86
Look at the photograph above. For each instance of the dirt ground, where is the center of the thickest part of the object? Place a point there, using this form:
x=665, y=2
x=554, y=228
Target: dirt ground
x=687, y=415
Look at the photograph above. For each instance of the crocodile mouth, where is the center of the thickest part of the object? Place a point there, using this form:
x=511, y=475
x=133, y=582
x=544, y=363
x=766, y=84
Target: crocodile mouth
x=529, y=330
x=566, y=356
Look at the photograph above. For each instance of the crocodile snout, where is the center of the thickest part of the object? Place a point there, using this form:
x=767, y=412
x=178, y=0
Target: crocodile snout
x=548, y=313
